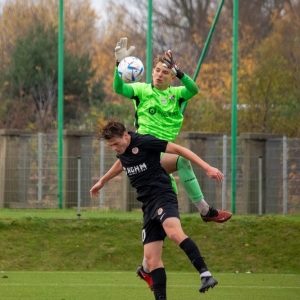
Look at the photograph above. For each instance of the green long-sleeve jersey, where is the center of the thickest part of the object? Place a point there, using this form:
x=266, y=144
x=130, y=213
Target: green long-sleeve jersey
x=157, y=112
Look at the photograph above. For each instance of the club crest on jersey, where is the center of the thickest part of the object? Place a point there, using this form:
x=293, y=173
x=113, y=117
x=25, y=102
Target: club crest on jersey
x=172, y=98
x=135, y=150
x=160, y=211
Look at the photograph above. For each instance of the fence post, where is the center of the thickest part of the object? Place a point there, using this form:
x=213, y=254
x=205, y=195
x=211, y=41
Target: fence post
x=224, y=171
x=284, y=175
x=102, y=154
x=260, y=178
x=79, y=187
x=40, y=166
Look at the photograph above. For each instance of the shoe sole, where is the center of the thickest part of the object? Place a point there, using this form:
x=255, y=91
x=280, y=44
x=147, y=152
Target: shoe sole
x=216, y=221
x=208, y=287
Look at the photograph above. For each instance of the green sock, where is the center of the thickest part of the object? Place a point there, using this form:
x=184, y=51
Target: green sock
x=188, y=179
x=174, y=186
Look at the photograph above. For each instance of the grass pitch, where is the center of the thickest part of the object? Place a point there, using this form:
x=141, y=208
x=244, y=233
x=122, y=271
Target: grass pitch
x=43, y=257
x=125, y=285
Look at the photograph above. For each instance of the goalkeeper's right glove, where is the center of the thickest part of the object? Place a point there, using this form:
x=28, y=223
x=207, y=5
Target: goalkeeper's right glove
x=121, y=49
x=170, y=63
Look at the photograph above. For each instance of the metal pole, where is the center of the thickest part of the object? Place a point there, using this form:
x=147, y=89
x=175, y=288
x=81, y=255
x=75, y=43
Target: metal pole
x=40, y=166
x=79, y=186
x=149, y=43
x=234, y=104
x=224, y=171
x=260, y=186
x=284, y=175
x=60, y=106
x=101, y=171
x=207, y=42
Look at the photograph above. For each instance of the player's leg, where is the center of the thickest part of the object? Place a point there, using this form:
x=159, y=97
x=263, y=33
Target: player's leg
x=153, y=236
x=152, y=255
x=173, y=229
x=172, y=163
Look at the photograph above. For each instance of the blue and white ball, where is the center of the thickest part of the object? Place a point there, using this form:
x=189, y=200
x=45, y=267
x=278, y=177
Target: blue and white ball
x=131, y=69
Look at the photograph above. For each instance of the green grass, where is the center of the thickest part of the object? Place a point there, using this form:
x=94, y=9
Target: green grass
x=125, y=285
x=268, y=244
x=95, y=257
x=69, y=214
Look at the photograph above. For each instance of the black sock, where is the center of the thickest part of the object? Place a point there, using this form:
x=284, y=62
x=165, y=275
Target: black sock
x=159, y=279
x=193, y=253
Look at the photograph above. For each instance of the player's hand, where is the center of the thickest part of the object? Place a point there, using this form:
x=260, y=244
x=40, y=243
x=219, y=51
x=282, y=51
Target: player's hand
x=94, y=191
x=214, y=173
x=170, y=63
x=121, y=50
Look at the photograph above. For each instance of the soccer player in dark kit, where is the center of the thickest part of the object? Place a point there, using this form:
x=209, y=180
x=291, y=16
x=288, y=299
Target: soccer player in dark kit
x=139, y=156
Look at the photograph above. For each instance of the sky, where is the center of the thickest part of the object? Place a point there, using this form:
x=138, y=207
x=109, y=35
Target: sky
x=96, y=4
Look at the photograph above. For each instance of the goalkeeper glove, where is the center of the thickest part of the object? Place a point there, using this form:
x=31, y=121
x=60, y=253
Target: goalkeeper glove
x=171, y=64
x=121, y=49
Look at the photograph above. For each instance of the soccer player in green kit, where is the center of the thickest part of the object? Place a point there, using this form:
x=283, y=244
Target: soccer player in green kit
x=158, y=112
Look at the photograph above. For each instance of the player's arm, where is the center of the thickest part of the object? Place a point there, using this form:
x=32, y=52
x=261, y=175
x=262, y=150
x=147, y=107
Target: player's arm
x=115, y=170
x=121, y=52
x=190, y=88
x=120, y=87
x=210, y=171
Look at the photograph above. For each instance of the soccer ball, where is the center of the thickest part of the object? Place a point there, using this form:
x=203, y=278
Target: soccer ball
x=131, y=69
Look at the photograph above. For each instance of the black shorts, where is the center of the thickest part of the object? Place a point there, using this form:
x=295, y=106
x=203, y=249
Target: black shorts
x=157, y=209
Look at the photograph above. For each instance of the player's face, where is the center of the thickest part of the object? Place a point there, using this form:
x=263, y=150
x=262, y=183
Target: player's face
x=119, y=144
x=161, y=76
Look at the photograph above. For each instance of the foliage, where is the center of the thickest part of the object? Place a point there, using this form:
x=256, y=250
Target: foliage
x=18, y=16
x=268, y=77
x=271, y=94
x=29, y=56
x=33, y=76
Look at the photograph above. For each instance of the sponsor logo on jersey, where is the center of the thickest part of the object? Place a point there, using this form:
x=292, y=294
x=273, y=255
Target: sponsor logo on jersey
x=135, y=169
x=166, y=114
x=135, y=150
x=163, y=100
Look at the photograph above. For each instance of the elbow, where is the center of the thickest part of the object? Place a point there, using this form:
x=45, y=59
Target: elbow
x=195, y=90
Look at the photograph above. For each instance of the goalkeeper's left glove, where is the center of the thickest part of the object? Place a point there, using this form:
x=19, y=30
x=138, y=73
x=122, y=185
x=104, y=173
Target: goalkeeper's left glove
x=171, y=64
x=121, y=49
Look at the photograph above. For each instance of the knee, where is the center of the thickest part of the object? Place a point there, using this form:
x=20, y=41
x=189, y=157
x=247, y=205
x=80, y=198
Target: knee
x=177, y=238
x=183, y=163
x=153, y=263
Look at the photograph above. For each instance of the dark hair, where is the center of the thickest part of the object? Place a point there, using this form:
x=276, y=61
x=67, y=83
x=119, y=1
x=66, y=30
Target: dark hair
x=159, y=58
x=112, y=129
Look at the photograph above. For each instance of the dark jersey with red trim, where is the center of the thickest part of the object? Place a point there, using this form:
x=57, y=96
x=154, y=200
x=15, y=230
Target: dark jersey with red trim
x=141, y=162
